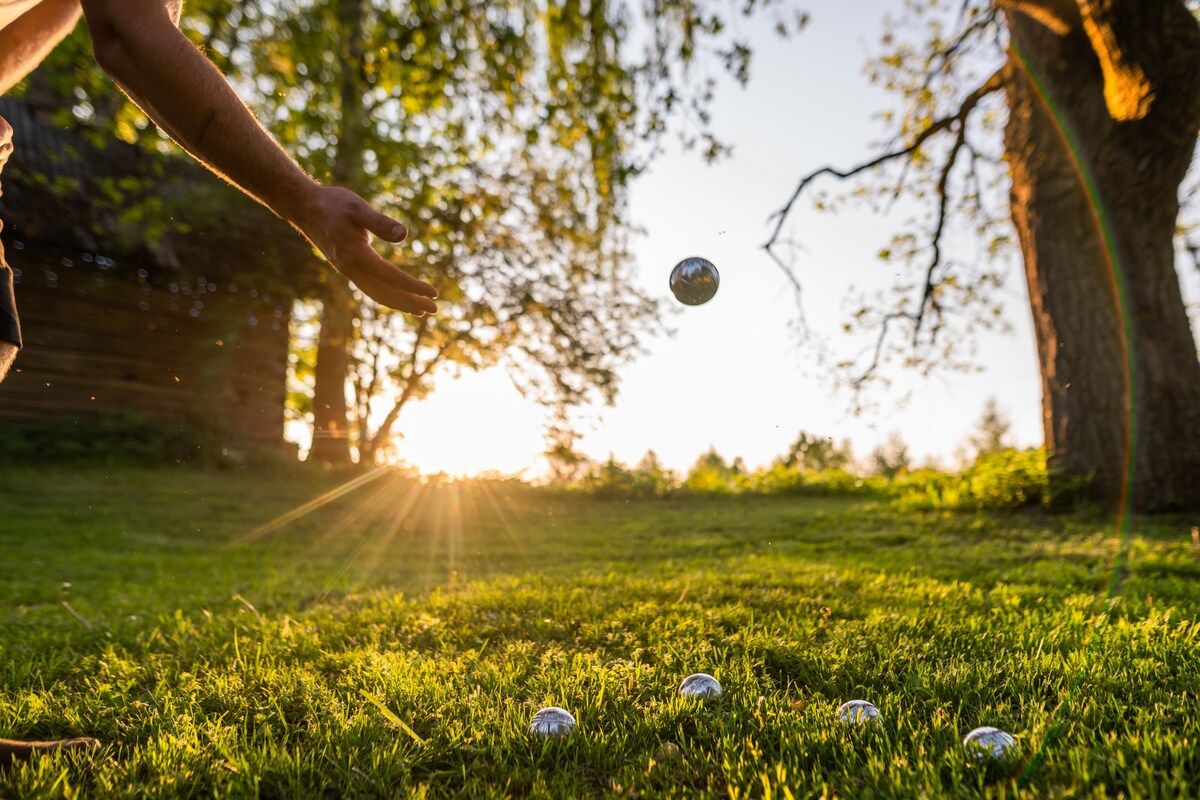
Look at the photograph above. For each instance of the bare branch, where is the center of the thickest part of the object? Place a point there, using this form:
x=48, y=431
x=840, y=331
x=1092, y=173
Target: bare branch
x=935, y=64
x=858, y=381
x=956, y=123
x=1060, y=16
x=927, y=298
x=410, y=387
x=992, y=84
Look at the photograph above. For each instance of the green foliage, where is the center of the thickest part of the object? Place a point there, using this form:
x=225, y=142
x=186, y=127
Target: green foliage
x=992, y=431
x=997, y=481
x=612, y=479
x=712, y=476
x=131, y=439
x=891, y=458
x=780, y=480
x=263, y=669
x=112, y=439
x=505, y=137
x=567, y=465
x=951, y=254
x=1006, y=479
x=817, y=453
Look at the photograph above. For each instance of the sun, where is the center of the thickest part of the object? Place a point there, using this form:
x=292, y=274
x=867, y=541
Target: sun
x=472, y=424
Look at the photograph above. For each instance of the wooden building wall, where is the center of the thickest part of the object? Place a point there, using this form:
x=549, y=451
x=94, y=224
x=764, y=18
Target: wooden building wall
x=103, y=338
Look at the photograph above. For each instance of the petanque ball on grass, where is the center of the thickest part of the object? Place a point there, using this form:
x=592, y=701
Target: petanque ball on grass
x=989, y=743
x=700, y=685
x=857, y=712
x=552, y=723
x=694, y=281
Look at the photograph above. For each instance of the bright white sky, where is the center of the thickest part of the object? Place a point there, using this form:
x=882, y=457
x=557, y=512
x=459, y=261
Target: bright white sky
x=734, y=376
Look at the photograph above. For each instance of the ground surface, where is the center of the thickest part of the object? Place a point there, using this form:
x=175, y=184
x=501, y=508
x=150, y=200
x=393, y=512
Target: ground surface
x=398, y=640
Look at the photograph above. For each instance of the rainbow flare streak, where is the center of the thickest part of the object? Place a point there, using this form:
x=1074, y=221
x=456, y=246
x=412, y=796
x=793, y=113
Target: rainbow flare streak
x=1100, y=214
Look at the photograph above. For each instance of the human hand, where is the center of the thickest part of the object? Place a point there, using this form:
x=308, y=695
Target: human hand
x=339, y=223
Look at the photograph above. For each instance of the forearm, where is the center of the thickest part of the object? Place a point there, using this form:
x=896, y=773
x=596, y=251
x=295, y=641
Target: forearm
x=137, y=44
x=31, y=37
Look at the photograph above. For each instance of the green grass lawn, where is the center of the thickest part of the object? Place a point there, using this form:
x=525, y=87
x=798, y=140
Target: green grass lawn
x=398, y=640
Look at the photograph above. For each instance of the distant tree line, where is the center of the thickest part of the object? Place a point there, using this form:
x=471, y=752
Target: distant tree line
x=992, y=475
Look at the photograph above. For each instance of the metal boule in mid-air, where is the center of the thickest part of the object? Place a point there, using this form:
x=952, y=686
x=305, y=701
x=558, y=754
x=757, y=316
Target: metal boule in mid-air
x=552, y=723
x=694, y=281
x=706, y=687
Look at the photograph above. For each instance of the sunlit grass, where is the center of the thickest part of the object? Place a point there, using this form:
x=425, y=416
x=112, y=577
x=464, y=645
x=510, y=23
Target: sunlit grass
x=398, y=638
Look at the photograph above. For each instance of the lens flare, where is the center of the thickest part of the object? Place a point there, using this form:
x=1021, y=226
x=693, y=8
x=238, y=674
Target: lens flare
x=1104, y=228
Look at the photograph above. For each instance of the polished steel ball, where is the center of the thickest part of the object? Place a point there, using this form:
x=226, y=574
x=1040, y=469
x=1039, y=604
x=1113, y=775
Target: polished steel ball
x=694, y=281
x=857, y=712
x=989, y=743
x=552, y=723
x=706, y=687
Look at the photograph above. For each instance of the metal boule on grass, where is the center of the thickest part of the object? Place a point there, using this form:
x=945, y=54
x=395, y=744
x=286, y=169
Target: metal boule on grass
x=552, y=722
x=857, y=712
x=701, y=685
x=694, y=281
x=989, y=742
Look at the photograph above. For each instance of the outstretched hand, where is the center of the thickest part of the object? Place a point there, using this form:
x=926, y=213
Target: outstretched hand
x=339, y=223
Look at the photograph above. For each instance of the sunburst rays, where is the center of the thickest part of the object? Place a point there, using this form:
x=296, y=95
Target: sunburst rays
x=394, y=522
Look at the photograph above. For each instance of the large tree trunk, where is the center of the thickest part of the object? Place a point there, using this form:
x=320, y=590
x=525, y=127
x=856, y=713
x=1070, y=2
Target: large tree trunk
x=331, y=441
x=1100, y=264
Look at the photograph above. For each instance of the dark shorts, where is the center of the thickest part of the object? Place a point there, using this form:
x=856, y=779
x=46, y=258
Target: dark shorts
x=10, y=325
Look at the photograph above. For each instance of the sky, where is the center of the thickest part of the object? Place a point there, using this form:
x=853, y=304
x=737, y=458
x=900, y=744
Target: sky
x=734, y=375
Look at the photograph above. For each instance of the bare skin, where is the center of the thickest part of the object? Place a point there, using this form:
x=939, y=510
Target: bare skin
x=138, y=43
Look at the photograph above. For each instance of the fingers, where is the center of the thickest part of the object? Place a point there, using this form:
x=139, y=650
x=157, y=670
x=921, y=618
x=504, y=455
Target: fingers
x=388, y=284
x=388, y=275
x=381, y=225
x=348, y=248
x=361, y=260
x=394, y=298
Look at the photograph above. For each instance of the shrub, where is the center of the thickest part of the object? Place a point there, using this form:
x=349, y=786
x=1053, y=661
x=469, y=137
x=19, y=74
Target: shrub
x=1007, y=479
x=120, y=438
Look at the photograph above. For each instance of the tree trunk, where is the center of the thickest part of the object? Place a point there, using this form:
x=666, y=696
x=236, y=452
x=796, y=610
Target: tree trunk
x=331, y=441
x=331, y=429
x=1100, y=264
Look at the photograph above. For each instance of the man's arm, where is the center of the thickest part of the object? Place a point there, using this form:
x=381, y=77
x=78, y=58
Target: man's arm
x=138, y=45
x=30, y=38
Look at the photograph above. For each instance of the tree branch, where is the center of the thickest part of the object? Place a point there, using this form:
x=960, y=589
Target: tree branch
x=1060, y=16
x=410, y=387
x=858, y=381
x=956, y=122
x=927, y=299
x=992, y=84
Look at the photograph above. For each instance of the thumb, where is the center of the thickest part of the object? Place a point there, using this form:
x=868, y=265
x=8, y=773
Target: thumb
x=381, y=225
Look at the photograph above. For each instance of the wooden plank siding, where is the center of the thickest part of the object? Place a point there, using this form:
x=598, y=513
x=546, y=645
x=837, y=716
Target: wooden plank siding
x=145, y=285
x=101, y=340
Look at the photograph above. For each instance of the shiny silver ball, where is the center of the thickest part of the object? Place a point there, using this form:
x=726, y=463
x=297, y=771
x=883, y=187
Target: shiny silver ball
x=857, y=712
x=552, y=723
x=694, y=281
x=989, y=743
x=706, y=687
